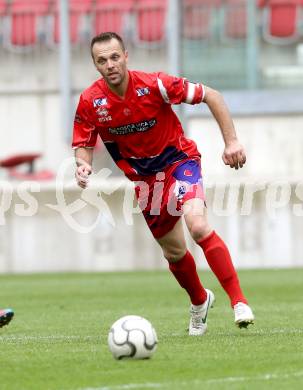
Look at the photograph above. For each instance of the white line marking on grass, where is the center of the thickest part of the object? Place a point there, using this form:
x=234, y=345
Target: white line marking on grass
x=88, y=337
x=264, y=332
x=265, y=377
x=130, y=386
x=23, y=339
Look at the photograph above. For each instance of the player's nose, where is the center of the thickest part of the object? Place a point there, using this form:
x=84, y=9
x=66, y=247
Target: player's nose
x=110, y=64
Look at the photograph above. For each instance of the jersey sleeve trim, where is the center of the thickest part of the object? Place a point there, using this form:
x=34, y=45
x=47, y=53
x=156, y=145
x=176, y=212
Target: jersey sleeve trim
x=84, y=147
x=163, y=90
x=194, y=93
x=190, y=93
x=203, y=92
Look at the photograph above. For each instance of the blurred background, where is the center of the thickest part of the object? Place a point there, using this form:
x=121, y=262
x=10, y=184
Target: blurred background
x=250, y=50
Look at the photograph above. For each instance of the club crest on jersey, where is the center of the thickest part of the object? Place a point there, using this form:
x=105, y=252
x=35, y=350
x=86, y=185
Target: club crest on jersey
x=102, y=111
x=100, y=102
x=143, y=91
x=103, y=114
x=127, y=111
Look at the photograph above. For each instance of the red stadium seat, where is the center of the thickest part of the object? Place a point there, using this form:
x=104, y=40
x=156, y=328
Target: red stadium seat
x=36, y=176
x=25, y=19
x=11, y=163
x=3, y=7
x=78, y=9
x=197, y=18
x=235, y=19
x=18, y=159
x=281, y=21
x=111, y=15
x=150, y=22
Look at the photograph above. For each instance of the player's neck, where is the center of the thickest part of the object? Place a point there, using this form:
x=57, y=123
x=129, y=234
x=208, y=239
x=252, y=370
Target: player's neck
x=121, y=89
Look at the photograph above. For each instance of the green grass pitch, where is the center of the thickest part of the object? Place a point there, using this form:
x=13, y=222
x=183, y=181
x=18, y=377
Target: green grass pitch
x=58, y=338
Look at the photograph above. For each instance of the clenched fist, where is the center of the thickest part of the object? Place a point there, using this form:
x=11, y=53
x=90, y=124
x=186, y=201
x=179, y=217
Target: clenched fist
x=234, y=155
x=81, y=174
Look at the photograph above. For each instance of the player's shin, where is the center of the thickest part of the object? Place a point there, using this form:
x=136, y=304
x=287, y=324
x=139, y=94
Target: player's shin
x=219, y=260
x=185, y=272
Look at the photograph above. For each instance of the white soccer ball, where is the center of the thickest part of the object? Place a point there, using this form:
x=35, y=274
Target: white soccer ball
x=132, y=337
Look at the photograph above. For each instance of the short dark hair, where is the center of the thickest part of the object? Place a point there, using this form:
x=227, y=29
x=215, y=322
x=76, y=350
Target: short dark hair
x=105, y=37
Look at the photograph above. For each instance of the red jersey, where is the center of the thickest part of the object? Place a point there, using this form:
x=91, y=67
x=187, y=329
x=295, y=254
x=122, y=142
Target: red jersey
x=141, y=131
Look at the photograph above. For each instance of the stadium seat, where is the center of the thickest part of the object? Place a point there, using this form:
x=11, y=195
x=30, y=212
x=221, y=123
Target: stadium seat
x=3, y=7
x=79, y=25
x=150, y=22
x=235, y=20
x=281, y=22
x=12, y=162
x=112, y=15
x=197, y=18
x=26, y=19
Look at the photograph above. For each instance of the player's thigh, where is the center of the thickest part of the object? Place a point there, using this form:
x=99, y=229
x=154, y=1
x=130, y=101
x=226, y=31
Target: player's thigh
x=173, y=243
x=195, y=215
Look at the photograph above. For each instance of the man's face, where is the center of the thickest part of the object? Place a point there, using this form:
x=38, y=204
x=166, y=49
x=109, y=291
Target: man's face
x=111, y=61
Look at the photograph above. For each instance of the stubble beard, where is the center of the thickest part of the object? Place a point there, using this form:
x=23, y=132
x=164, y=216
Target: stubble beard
x=117, y=82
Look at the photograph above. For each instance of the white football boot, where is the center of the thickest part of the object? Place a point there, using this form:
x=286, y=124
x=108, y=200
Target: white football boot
x=243, y=315
x=198, y=315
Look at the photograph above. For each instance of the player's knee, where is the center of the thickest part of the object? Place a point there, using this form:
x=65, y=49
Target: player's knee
x=173, y=254
x=199, y=230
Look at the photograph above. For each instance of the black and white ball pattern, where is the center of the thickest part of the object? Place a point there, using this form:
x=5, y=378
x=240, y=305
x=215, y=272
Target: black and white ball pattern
x=132, y=337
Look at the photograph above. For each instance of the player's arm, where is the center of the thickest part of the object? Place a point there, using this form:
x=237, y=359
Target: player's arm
x=84, y=139
x=176, y=90
x=234, y=153
x=84, y=159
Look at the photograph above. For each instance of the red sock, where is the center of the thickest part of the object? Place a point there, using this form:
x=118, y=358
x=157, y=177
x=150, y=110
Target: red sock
x=219, y=260
x=185, y=272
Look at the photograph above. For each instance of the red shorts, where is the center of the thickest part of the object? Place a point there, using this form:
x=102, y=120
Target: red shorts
x=162, y=196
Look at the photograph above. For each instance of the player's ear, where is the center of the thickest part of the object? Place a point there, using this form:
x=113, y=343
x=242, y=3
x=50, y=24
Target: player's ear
x=126, y=55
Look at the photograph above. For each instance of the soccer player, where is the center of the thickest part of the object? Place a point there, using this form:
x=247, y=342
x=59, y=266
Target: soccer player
x=131, y=112
x=5, y=316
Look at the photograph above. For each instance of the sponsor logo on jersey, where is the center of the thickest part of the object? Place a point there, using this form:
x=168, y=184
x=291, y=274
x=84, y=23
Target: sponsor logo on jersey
x=133, y=127
x=100, y=102
x=143, y=91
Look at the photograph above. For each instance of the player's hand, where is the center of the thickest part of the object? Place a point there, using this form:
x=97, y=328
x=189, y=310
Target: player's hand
x=82, y=173
x=234, y=155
